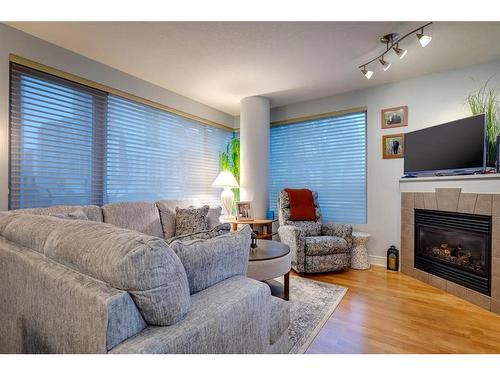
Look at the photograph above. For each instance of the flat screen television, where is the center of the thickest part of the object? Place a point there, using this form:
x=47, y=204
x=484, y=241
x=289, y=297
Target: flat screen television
x=456, y=147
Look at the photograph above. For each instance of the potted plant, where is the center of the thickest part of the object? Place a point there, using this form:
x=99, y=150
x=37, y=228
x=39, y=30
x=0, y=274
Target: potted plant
x=229, y=160
x=485, y=100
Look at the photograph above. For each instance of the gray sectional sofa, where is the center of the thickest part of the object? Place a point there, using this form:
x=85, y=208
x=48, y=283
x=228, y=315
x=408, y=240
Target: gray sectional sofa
x=113, y=284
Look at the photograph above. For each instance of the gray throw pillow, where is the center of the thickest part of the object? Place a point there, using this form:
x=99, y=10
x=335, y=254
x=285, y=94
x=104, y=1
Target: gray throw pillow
x=214, y=216
x=204, y=234
x=190, y=220
x=208, y=262
x=77, y=214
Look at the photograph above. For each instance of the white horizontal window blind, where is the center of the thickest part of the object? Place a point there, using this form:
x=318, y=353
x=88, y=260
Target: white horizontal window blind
x=327, y=155
x=71, y=144
x=56, y=141
x=153, y=154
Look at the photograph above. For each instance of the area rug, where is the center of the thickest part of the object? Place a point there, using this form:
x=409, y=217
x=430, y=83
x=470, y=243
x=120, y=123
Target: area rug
x=311, y=304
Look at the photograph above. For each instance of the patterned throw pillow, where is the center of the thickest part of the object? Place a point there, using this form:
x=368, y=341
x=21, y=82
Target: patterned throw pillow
x=203, y=235
x=77, y=214
x=190, y=220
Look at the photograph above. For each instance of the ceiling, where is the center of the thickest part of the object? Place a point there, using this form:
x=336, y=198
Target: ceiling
x=219, y=63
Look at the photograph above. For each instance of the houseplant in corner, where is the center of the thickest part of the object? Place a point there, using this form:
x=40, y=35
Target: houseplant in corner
x=229, y=160
x=485, y=100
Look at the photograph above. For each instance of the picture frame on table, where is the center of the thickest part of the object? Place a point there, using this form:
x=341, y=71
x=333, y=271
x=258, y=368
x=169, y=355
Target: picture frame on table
x=395, y=117
x=244, y=211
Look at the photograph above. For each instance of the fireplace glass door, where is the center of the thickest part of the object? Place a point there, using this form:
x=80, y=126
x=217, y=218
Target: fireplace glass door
x=465, y=250
x=454, y=246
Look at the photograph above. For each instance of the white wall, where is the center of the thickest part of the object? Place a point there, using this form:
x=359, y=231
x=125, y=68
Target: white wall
x=431, y=100
x=19, y=43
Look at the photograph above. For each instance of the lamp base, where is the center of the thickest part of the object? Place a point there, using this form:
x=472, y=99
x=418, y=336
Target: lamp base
x=227, y=200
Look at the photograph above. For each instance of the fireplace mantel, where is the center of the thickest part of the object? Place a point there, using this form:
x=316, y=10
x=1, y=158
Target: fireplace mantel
x=479, y=195
x=481, y=183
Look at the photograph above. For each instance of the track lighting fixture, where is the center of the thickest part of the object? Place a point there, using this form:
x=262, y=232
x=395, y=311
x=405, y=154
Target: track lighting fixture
x=367, y=73
x=385, y=64
x=422, y=38
x=400, y=52
x=392, y=41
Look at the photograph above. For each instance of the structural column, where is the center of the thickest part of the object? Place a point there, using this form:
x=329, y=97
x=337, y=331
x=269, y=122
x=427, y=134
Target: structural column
x=255, y=150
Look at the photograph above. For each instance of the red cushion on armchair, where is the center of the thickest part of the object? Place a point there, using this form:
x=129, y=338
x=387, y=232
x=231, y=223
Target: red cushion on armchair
x=301, y=205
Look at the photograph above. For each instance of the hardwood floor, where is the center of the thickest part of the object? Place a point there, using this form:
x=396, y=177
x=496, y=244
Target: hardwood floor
x=388, y=312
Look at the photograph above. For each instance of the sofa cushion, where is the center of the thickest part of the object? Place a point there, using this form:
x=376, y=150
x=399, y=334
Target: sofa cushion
x=142, y=265
x=230, y=317
x=280, y=318
x=208, y=262
x=219, y=230
x=190, y=220
x=166, y=208
x=325, y=245
x=139, y=216
x=92, y=212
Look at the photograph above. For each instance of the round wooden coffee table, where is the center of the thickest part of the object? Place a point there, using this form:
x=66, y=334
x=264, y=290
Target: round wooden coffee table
x=269, y=260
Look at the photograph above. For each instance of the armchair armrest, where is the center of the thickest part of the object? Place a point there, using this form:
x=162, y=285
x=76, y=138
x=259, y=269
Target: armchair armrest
x=339, y=230
x=294, y=237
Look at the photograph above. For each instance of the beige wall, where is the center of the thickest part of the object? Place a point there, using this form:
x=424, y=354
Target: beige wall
x=13, y=41
x=431, y=100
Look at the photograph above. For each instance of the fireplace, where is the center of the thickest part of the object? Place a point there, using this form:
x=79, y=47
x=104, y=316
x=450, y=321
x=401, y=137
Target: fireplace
x=454, y=246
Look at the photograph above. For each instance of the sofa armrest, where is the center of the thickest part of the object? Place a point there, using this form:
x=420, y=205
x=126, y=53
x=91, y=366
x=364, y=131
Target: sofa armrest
x=339, y=230
x=294, y=237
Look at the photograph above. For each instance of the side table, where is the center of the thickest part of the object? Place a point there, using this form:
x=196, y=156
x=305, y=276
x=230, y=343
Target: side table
x=268, y=224
x=359, y=253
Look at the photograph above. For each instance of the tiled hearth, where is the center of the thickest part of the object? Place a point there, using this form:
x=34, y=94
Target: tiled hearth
x=452, y=200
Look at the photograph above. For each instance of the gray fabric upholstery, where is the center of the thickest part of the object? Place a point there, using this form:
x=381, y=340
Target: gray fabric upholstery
x=280, y=318
x=49, y=308
x=77, y=214
x=144, y=266
x=191, y=220
x=325, y=245
x=229, y=317
x=139, y=216
x=219, y=230
x=315, y=246
x=166, y=208
x=93, y=213
x=208, y=262
x=281, y=346
x=76, y=287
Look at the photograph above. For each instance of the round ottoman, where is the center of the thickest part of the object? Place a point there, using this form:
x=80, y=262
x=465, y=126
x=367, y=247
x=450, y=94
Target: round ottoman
x=359, y=253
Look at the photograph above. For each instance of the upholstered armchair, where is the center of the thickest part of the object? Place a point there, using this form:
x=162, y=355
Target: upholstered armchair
x=315, y=246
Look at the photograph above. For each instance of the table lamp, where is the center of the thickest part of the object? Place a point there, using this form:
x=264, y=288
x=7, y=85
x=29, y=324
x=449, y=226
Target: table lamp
x=226, y=180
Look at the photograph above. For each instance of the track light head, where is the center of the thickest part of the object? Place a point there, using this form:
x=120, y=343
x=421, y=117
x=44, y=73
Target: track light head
x=367, y=73
x=423, y=39
x=400, y=52
x=385, y=65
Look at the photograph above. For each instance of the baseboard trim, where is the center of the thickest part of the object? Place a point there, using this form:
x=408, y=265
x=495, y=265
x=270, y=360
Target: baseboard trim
x=377, y=260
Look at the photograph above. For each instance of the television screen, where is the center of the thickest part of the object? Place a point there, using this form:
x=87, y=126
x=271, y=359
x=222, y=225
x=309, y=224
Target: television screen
x=455, y=147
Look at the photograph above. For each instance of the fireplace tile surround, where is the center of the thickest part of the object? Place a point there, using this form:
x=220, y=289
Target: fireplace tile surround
x=452, y=200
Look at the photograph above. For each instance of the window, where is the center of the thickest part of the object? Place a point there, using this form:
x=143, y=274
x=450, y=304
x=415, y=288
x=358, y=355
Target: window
x=153, y=154
x=56, y=141
x=71, y=144
x=327, y=155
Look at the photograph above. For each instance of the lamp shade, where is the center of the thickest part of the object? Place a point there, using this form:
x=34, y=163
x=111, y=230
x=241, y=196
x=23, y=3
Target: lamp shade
x=225, y=179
